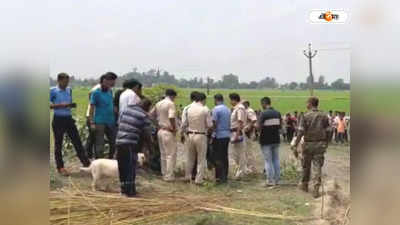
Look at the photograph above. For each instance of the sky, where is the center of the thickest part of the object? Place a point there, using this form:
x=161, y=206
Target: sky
x=252, y=39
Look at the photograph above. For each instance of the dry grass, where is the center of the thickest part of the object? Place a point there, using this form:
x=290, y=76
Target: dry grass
x=74, y=206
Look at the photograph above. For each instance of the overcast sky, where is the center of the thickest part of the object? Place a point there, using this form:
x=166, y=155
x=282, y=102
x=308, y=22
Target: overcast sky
x=252, y=39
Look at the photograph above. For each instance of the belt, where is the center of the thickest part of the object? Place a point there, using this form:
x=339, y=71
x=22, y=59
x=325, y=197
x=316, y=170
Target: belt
x=314, y=140
x=166, y=129
x=195, y=132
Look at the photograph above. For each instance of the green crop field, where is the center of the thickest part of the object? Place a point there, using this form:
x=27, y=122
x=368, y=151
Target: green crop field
x=282, y=100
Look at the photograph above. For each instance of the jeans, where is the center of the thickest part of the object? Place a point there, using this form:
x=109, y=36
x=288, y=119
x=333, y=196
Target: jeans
x=272, y=164
x=127, y=161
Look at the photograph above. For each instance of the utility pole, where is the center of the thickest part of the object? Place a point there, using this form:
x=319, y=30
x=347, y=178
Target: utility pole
x=310, y=55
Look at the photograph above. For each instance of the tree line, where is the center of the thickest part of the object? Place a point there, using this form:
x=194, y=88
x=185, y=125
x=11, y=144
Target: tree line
x=228, y=81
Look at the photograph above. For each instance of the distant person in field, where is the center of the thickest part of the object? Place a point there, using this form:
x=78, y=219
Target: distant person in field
x=341, y=128
x=238, y=145
x=269, y=124
x=283, y=128
x=101, y=115
x=314, y=127
x=132, y=94
x=61, y=103
x=296, y=122
x=347, y=130
x=250, y=138
x=221, y=116
x=290, y=126
x=331, y=118
x=335, y=125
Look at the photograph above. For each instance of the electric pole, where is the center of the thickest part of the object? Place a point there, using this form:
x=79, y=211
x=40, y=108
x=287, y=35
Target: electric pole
x=310, y=55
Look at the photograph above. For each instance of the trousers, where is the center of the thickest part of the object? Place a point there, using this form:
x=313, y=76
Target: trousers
x=220, y=155
x=313, y=153
x=197, y=149
x=127, y=161
x=168, y=148
x=110, y=132
x=62, y=125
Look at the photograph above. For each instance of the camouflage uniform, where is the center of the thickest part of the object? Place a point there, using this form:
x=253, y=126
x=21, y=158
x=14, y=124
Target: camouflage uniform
x=314, y=127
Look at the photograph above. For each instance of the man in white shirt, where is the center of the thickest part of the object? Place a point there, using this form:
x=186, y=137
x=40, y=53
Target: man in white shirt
x=131, y=96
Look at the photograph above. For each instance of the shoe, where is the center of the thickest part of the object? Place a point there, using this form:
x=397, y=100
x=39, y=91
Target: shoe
x=269, y=184
x=169, y=180
x=133, y=195
x=315, y=192
x=303, y=187
x=63, y=172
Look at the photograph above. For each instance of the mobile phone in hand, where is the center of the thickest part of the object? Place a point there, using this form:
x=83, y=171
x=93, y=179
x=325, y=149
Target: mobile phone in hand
x=72, y=105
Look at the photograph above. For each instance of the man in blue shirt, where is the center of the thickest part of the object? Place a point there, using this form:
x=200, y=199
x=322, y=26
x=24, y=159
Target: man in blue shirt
x=101, y=115
x=221, y=116
x=61, y=103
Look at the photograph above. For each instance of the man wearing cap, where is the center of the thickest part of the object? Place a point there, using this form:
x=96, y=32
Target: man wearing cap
x=250, y=137
x=238, y=145
x=165, y=114
x=101, y=115
x=200, y=121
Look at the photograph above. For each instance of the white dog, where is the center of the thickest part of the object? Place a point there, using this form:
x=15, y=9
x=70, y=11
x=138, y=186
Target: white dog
x=102, y=168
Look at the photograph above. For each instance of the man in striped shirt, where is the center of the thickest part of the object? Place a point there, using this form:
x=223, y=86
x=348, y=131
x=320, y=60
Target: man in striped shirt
x=269, y=124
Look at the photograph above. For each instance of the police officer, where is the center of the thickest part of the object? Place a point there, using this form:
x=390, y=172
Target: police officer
x=238, y=145
x=199, y=123
x=315, y=128
x=184, y=126
x=250, y=138
x=165, y=112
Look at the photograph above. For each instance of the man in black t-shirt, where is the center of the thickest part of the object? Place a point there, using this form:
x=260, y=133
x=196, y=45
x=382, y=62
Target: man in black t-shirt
x=269, y=124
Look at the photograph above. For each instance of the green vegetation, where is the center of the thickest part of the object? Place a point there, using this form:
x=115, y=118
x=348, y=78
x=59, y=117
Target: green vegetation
x=282, y=100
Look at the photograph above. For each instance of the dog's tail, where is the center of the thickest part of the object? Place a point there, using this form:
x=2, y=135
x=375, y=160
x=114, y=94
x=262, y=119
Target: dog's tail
x=86, y=169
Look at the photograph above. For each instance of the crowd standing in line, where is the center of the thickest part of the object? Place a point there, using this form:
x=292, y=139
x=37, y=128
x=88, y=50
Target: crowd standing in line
x=127, y=122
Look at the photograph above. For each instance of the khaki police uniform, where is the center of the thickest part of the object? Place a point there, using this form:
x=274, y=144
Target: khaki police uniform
x=164, y=111
x=239, y=148
x=250, y=142
x=314, y=127
x=198, y=121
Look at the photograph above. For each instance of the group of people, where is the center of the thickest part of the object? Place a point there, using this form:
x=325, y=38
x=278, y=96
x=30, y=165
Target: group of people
x=127, y=121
